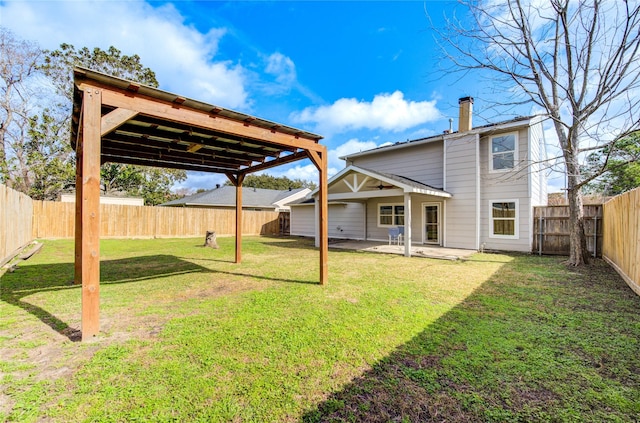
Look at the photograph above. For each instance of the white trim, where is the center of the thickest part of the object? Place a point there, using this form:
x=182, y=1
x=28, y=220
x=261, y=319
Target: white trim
x=444, y=165
x=444, y=223
x=393, y=214
x=516, y=147
x=407, y=225
x=401, y=186
x=363, y=195
x=365, y=208
x=478, y=206
x=480, y=130
x=530, y=176
x=516, y=226
x=424, y=222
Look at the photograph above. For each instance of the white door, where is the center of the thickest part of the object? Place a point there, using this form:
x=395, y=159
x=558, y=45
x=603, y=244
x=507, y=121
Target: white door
x=432, y=223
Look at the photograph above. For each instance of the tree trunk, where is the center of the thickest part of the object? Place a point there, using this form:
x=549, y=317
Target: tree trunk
x=210, y=240
x=578, y=253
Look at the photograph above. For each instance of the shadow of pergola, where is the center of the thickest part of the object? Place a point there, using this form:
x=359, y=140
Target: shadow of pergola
x=34, y=279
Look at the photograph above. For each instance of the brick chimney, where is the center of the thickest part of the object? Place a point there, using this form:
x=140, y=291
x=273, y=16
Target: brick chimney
x=466, y=114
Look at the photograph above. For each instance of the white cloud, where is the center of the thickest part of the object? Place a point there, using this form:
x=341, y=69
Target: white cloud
x=308, y=172
x=201, y=180
x=354, y=145
x=390, y=112
x=282, y=67
x=182, y=57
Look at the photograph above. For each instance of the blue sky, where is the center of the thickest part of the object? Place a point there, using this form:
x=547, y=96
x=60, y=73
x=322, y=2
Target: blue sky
x=360, y=73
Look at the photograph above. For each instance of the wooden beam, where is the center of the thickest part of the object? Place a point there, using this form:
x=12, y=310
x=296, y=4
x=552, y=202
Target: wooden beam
x=192, y=148
x=233, y=178
x=115, y=118
x=237, y=181
x=77, y=276
x=90, y=212
x=277, y=162
x=114, y=158
x=315, y=158
x=320, y=160
x=167, y=110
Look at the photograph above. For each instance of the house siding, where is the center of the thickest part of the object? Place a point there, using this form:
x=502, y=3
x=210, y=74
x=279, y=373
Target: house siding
x=421, y=163
x=346, y=220
x=461, y=181
x=500, y=186
x=376, y=233
x=303, y=221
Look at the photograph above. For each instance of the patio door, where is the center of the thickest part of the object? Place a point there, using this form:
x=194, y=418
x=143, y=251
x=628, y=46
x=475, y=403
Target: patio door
x=431, y=223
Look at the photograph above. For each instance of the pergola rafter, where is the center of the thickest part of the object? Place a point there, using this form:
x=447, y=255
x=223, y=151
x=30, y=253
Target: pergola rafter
x=120, y=121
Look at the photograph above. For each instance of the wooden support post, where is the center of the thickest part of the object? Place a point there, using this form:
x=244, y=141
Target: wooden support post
x=239, y=219
x=237, y=182
x=320, y=160
x=77, y=276
x=90, y=212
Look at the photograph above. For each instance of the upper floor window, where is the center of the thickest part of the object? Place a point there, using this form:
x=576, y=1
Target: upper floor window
x=504, y=152
x=391, y=215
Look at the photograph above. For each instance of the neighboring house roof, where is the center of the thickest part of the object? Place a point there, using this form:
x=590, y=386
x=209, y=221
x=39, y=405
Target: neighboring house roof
x=225, y=196
x=511, y=123
x=405, y=184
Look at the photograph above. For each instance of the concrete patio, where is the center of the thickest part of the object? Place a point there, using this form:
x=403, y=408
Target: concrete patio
x=427, y=251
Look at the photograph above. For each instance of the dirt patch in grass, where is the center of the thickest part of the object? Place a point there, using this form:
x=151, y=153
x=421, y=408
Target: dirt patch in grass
x=43, y=347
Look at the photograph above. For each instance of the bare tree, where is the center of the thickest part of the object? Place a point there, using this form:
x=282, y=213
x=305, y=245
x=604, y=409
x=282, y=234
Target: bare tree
x=578, y=61
x=19, y=61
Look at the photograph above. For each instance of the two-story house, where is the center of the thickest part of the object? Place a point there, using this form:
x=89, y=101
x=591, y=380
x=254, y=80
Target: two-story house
x=474, y=188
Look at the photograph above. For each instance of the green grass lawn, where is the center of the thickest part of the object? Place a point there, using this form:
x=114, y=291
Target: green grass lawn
x=187, y=335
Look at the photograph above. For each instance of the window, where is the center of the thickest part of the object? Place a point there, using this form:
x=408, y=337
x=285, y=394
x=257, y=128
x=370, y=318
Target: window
x=504, y=219
x=390, y=215
x=504, y=152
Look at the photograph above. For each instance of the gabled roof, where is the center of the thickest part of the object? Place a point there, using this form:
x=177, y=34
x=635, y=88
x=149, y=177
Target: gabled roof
x=407, y=185
x=225, y=196
x=520, y=121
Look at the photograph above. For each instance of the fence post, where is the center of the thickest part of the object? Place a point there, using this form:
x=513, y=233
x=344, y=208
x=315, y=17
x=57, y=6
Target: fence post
x=595, y=236
x=541, y=234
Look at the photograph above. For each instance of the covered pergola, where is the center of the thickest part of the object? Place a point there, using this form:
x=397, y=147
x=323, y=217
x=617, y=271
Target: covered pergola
x=115, y=120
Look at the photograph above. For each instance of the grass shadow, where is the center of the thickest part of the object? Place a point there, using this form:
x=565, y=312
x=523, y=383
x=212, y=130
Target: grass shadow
x=558, y=344
x=32, y=279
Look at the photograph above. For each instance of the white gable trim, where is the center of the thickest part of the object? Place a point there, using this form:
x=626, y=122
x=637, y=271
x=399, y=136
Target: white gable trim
x=405, y=188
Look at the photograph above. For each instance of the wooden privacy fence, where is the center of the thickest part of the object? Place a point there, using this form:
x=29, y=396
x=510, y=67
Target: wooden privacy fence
x=15, y=222
x=551, y=229
x=621, y=246
x=57, y=220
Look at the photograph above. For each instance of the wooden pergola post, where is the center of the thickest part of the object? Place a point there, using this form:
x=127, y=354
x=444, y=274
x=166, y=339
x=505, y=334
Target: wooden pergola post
x=319, y=159
x=237, y=182
x=77, y=277
x=88, y=211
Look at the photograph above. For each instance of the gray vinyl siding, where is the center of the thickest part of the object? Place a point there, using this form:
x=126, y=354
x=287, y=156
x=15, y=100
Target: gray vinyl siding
x=349, y=217
x=421, y=163
x=376, y=233
x=502, y=186
x=461, y=182
x=346, y=220
x=303, y=221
